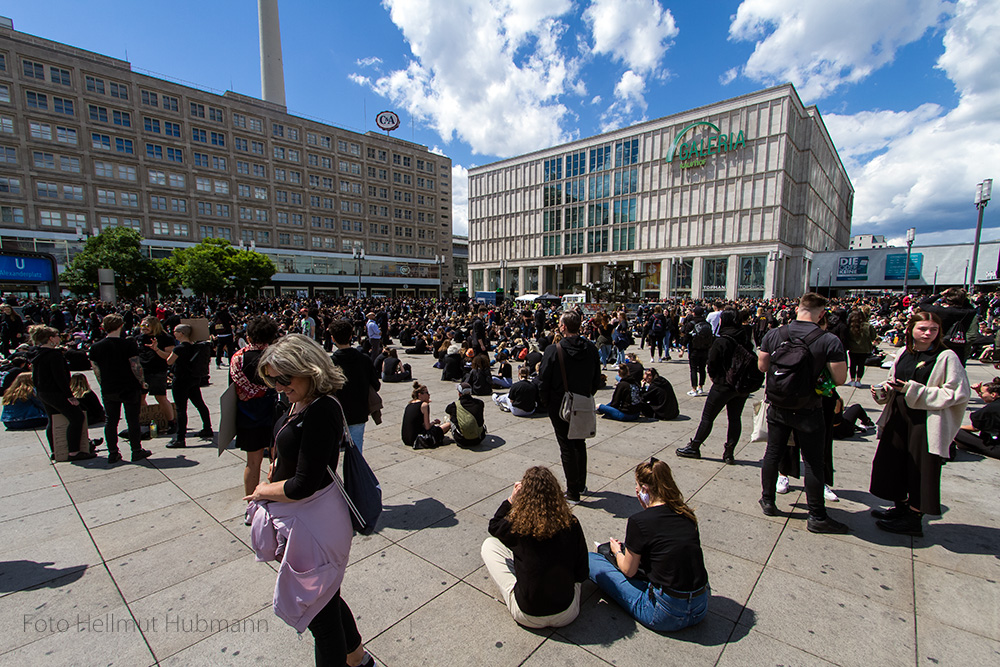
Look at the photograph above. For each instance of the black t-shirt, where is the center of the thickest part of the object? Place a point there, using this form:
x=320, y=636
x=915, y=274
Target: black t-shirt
x=152, y=362
x=413, y=423
x=111, y=355
x=546, y=570
x=916, y=366
x=987, y=420
x=524, y=395
x=184, y=366
x=669, y=548
x=306, y=446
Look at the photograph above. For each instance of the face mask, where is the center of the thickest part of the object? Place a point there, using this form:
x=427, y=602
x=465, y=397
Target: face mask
x=644, y=497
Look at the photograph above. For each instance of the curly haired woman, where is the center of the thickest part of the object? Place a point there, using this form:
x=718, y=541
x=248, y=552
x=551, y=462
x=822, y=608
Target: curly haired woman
x=537, y=554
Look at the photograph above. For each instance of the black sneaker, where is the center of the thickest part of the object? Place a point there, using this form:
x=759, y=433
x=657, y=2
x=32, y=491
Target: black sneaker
x=827, y=525
x=768, y=507
x=910, y=524
x=176, y=443
x=206, y=433
x=82, y=456
x=113, y=458
x=572, y=497
x=141, y=454
x=890, y=513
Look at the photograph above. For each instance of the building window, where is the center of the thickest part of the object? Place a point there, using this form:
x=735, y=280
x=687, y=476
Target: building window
x=216, y=115
x=203, y=184
x=107, y=197
x=105, y=169
x=157, y=203
x=199, y=135
x=70, y=164
x=10, y=186
x=157, y=177
x=161, y=228
x=12, y=214
x=119, y=90
x=177, y=180
x=172, y=129
x=43, y=160
x=222, y=210
x=100, y=141
x=36, y=100
x=178, y=205
x=59, y=76
x=94, y=85
x=40, y=130
x=130, y=199
x=124, y=146
x=122, y=118
x=175, y=154
x=197, y=110
x=221, y=187
x=33, y=70
x=4, y=93
x=8, y=155
x=151, y=125
x=126, y=173
x=170, y=103
x=152, y=150
x=149, y=98
x=218, y=139
x=50, y=218
x=72, y=192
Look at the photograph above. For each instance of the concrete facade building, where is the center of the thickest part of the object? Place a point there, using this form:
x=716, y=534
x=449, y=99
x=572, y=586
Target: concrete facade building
x=865, y=241
x=86, y=143
x=724, y=201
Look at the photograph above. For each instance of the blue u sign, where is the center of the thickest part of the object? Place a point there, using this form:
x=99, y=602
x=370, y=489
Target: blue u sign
x=18, y=268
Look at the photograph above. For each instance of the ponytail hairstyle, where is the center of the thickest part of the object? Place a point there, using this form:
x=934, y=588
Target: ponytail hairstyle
x=417, y=390
x=655, y=475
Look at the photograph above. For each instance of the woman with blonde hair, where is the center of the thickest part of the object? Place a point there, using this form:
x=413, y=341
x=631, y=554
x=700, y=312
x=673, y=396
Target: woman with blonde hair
x=671, y=592
x=21, y=408
x=300, y=491
x=537, y=554
x=155, y=346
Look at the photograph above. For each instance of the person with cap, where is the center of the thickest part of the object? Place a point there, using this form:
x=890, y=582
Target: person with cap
x=467, y=415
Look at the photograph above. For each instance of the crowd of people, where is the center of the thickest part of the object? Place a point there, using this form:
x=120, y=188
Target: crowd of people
x=307, y=376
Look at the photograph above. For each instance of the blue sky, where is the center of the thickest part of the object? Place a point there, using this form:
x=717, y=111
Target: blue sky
x=909, y=89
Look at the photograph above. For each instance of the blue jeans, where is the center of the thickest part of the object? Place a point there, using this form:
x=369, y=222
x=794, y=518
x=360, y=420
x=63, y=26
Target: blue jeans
x=605, y=352
x=616, y=414
x=645, y=602
x=357, y=434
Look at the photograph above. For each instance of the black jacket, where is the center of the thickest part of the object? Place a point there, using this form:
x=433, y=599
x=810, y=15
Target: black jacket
x=481, y=381
x=50, y=372
x=523, y=395
x=659, y=400
x=360, y=372
x=454, y=367
x=583, y=370
x=720, y=355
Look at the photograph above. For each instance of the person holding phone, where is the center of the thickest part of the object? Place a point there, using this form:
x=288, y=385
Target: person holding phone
x=924, y=398
x=658, y=575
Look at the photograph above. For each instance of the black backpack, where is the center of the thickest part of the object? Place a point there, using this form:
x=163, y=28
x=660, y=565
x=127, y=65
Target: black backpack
x=791, y=376
x=702, y=336
x=743, y=374
x=659, y=325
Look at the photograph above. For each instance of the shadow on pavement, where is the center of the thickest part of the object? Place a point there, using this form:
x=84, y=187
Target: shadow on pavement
x=18, y=575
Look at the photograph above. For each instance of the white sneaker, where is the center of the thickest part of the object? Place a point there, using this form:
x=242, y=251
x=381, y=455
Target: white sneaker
x=693, y=392
x=701, y=392
x=830, y=496
x=782, y=485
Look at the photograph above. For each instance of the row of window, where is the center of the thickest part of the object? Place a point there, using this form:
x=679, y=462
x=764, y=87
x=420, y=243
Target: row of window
x=592, y=187
x=576, y=243
x=625, y=153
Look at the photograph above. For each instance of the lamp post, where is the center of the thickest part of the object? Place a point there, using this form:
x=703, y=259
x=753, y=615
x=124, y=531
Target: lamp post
x=358, y=252
x=440, y=261
x=983, y=192
x=503, y=275
x=911, y=234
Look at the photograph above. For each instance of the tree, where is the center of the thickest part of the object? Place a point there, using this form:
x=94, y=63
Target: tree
x=119, y=249
x=214, y=266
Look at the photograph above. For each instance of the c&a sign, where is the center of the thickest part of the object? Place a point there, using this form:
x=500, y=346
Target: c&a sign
x=693, y=153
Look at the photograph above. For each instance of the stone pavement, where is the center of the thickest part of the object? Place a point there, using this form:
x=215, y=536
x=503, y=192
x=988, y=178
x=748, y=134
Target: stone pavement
x=148, y=563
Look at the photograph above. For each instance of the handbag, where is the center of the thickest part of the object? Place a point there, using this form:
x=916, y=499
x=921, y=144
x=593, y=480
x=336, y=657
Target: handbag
x=759, y=431
x=578, y=410
x=360, y=487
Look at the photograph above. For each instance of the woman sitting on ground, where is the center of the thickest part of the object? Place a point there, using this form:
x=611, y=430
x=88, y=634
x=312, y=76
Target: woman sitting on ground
x=845, y=420
x=626, y=401
x=505, y=373
x=537, y=555
x=417, y=421
x=89, y=401
x=658, y=575
x=453, y=364
x=985, y=420
x=393, y=370
x=21, y=408
x=419, y=345
x=479, y=376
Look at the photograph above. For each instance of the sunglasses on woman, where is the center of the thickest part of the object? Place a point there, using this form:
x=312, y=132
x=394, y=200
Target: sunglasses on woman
x=283, y=380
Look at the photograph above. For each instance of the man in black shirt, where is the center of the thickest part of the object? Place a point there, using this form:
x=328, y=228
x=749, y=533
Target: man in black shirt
x=806, y=422
x=361, y=380
x=187, y=386
x=119, y=372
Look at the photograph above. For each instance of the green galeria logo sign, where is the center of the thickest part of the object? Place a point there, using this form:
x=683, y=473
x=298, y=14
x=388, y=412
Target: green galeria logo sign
x=694, y=153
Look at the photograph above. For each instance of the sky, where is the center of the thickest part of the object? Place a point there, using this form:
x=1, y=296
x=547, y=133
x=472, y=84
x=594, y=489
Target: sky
x=909, y=89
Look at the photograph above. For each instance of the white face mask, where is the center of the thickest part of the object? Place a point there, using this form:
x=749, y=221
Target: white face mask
x=644, y=497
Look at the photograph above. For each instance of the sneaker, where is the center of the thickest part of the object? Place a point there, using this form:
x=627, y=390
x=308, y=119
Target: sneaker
x=909, y=524
x=829, y=495
x=768, y=507
x=141, y=454
x=114, y=458
x=827, y=525
x=82, y=456
x=572, y=497
x=206, y=433
x=666, y=358
x=247, y=519
x=890, y=513
x=693, y=392
x=701, y=392
x=176, y=443
x=691, y=451
x=782, y=485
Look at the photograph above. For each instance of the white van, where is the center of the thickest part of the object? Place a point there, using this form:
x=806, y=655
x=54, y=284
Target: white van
x=570, y=300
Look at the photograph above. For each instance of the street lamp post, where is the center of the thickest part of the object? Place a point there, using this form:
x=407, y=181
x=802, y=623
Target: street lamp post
x=983, y=192
x=440, y=261
x=503, y=276
x=358, y=252
x=911, y=234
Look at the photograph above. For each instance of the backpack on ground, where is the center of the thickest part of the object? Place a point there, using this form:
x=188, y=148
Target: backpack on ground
x=702, y=336
x=743, y=374
x=792, y=374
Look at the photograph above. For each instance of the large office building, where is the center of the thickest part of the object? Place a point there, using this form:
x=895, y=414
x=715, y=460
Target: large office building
x=86, y=143
x=727, y=201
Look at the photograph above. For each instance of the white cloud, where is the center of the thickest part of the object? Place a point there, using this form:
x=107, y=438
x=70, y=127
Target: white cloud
x=459, y=200
x=369, y=61
x=488, y=72
x=930, y=160
x=729, y=76
x=629, y=101
x=822, y=45
x=635, y=32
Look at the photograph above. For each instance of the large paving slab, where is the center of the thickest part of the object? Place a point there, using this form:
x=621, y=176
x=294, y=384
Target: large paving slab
x=150, y=549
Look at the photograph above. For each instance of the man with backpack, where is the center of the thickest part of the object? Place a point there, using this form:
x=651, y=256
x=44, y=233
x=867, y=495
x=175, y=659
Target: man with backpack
x=700, y=338
x=732, y=366
x=793, y=358
x=658, y=330
x=467, y=416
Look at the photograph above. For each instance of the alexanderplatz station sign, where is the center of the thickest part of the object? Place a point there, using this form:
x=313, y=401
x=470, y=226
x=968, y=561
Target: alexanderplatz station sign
x=695, y=152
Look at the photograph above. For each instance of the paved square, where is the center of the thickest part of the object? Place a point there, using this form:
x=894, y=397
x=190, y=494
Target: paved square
x=148, y=563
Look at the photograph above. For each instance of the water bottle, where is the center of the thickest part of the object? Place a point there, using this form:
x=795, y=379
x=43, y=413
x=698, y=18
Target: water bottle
x=152, y=429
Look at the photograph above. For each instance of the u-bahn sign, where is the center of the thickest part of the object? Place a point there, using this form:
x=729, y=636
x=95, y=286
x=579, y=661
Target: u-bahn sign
x=694, y=153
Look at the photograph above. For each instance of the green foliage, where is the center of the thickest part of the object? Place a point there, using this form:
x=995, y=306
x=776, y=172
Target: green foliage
x=119, y=249
x=214, y=266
